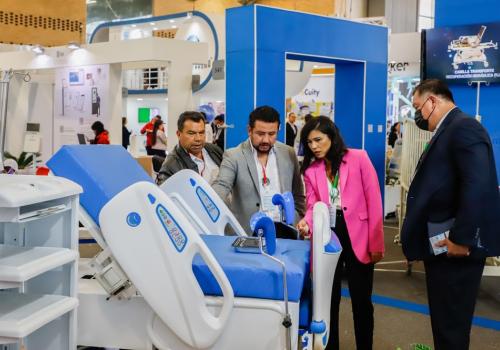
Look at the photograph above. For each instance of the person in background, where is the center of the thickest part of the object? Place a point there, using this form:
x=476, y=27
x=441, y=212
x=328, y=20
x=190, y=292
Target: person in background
x=192, y=152
x=125, y=133
x=148, y=130
x=159, y=139
x=394, y=134
x=291, y=129
x=346, y=181
x=259, y=168
x=209, y=134
x=453, y=204
x=101, y=134
x=219, y=131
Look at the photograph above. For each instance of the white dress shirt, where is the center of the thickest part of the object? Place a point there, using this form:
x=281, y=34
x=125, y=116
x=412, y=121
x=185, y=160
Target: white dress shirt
x=206, y=166
x=266, y=191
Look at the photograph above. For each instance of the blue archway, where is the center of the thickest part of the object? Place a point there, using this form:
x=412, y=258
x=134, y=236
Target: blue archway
x=258, y=41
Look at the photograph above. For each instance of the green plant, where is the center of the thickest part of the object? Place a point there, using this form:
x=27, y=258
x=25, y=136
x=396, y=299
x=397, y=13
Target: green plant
x=25, y=160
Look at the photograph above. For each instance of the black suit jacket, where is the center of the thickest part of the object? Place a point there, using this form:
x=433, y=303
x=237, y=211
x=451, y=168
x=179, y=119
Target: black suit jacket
x=290, y=134
x=456, y=178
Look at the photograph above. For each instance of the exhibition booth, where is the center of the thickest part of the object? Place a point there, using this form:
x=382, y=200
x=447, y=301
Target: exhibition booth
x=165, y=275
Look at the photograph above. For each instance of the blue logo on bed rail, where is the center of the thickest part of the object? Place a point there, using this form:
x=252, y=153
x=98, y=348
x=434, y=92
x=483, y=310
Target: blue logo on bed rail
x=209, y=205
x=133, y=219
x=174, y=231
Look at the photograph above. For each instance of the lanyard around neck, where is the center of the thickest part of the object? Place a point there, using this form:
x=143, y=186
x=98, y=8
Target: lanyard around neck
x=334, y=192
x=265, y=179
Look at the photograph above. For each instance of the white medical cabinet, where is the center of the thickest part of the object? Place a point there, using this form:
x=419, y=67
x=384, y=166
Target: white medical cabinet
x=38, y=262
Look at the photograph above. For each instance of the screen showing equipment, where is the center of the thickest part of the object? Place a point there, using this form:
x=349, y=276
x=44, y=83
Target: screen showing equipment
x=33, y=127
x=462, y=54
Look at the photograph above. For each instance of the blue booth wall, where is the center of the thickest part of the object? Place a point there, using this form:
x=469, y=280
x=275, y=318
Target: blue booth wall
x=461, y=12
x=259, y=39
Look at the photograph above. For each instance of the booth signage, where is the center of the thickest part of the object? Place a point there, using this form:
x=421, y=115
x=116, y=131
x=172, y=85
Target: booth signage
x=218, y=70
x=463, y=54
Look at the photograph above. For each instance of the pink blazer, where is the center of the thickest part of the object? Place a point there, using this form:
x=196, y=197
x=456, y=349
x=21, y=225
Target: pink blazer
x=360, y=198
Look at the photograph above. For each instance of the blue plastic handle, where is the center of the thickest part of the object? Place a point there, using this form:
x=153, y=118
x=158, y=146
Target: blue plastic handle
x=287, y=204
x=260, y=221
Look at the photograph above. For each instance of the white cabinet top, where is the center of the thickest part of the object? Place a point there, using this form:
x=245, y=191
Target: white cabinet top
x=20, y=190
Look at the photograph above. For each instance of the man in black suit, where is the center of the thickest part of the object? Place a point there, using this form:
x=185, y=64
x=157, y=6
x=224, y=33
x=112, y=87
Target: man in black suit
x=455, y=185
x=291, y=130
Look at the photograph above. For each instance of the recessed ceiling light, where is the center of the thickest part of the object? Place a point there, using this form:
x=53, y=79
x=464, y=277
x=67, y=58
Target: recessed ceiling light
x=134, y=25
x=172, y=21
x=155, y=28
x=140, y=99
x=38, y=49
x=73, y=45
x=315, y=66
x=174, y=27
x=152, y=23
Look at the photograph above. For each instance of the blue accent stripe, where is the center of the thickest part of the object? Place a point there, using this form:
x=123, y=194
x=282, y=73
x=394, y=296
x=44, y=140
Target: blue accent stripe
x=423, y=309
x=162, y=18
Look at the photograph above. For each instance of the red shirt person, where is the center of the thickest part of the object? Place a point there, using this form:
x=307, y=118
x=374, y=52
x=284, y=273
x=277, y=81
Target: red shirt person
x=148, y=130
x=101, y=134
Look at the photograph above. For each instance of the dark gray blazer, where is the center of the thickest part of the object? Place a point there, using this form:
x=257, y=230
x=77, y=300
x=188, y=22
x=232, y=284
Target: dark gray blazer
x=238, y=175
x=179, y=159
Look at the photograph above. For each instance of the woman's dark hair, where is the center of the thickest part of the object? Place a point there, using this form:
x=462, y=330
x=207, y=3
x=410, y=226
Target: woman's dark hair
x=98, y=127
x=337, y=150
x=156, y=126
x=393, y=134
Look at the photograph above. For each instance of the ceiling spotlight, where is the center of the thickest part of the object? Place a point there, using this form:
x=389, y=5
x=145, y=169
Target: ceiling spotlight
x=140, y=99
x=152, y=23
x=172, y=21
x=73, y=45
x=155, y=28
x=38, y=49
x=174, y=27
x=134, y=25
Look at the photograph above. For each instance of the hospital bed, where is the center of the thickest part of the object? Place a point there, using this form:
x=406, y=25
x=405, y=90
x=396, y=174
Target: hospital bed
x=194, y=291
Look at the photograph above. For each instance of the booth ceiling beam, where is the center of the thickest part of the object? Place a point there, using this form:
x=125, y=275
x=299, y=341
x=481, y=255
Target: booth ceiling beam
x=127, y=51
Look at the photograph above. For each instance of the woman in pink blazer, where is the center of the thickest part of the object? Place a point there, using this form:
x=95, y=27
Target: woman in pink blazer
x=346, y=181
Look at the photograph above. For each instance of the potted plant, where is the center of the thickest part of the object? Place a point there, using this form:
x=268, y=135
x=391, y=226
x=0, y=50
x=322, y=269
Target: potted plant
x=24, y=161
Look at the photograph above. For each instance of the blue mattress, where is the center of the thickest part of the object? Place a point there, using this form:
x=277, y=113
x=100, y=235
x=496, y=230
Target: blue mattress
x=102, y=170
x=253, y=275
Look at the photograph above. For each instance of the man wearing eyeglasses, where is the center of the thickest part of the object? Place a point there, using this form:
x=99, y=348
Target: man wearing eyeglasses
x=192, y=152
x=258, y=168
x=452, y=212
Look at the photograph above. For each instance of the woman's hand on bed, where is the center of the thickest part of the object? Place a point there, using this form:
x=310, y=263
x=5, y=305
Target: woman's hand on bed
x=376, y=257
x=303, y=229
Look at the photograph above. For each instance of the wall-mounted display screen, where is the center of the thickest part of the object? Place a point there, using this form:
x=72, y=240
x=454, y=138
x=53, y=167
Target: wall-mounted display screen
x=462, y=54
x=145, y=114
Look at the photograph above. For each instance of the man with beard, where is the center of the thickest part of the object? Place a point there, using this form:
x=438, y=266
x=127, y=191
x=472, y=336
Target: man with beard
x=192, y=152
x=258, y=168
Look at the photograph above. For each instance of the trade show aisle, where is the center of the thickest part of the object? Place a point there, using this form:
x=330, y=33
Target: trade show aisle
x=401, y=312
